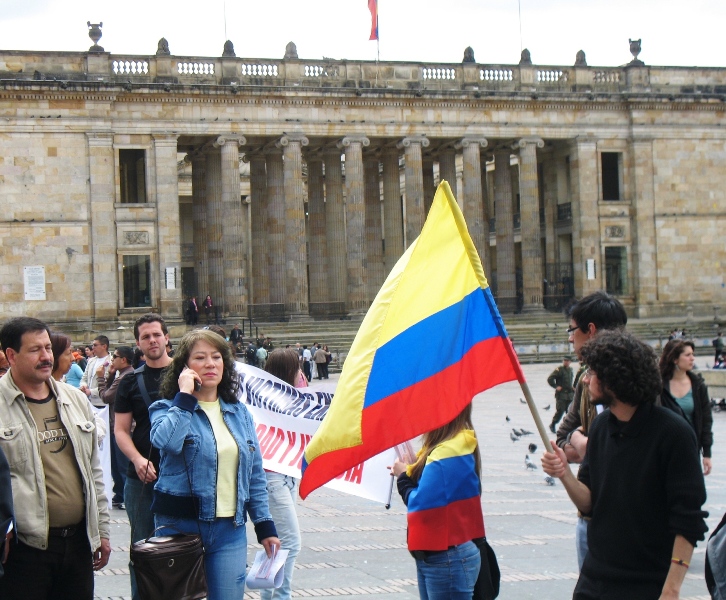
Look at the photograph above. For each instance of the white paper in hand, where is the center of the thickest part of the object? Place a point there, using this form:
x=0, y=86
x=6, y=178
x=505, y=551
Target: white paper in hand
x=267, y=572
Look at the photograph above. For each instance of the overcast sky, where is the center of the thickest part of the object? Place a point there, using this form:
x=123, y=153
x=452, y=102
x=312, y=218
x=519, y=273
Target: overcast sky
x=674, y=32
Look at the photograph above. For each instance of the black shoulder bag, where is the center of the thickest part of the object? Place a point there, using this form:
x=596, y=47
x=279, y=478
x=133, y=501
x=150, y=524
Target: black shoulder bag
x=169, y=567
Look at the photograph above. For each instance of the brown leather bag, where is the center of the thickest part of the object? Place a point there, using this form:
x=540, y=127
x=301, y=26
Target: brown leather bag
x=170, y=567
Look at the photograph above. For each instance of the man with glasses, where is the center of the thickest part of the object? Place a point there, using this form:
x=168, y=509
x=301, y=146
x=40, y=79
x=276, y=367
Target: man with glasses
x=594, y=313
x=107, y=387
x=640, y=480
x=89, y=381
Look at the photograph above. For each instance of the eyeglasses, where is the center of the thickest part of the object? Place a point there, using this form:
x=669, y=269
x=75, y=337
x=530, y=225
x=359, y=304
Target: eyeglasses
x=588, y=373
x=571, y=330
x=116, y=356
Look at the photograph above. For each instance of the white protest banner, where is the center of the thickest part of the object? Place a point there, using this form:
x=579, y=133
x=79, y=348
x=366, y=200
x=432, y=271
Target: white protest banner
x=286, y=419
x=104, y=452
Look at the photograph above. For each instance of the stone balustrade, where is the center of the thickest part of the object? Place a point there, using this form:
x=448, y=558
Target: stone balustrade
x=66, y=67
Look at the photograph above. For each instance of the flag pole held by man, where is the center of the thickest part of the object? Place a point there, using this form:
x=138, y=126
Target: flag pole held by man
x=435, y=296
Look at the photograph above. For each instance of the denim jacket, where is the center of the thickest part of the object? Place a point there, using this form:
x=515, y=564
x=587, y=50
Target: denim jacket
x=180, y=423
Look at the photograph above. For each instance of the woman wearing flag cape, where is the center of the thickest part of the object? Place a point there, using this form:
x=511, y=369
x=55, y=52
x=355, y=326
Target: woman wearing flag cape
x=441, y=490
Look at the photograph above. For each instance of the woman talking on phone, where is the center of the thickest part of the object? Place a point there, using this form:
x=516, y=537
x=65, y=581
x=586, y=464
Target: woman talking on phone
x=211, y=473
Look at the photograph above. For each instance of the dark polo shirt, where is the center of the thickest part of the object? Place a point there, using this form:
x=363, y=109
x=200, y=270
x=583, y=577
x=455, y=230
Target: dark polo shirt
x=647, y=486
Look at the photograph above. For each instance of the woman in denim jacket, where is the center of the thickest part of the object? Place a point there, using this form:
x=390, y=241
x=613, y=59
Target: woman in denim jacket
x=211, y=473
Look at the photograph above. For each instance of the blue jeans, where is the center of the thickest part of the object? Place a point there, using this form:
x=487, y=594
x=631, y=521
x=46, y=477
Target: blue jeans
x=138, y=497
x=225, y=553
x=449, y=575
x=581, y=540
x=281, y=493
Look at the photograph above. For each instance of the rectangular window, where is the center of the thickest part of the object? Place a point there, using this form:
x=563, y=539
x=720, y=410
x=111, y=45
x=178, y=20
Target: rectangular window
x=610, y=162
x=616, y=270
x=132, y=172
x=137, y=280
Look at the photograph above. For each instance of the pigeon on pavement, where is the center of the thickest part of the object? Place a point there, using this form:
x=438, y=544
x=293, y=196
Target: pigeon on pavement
x=547, y=407
x=529, y=464
x=513, y=437
x=515, y=432
x=549, y=480
x=507, y=418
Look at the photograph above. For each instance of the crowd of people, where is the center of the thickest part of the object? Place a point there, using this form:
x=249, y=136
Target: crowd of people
x=185, y=456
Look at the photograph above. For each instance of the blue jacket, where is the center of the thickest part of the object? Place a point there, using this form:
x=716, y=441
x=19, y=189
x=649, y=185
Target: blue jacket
x=181, y=423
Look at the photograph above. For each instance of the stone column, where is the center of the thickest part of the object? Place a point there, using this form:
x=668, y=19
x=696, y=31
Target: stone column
x=414, y=185
x=296, y=255
x=335, y=227
x=375, y=270
x=316, y=226
x=447, y=169
x=104, y=294
x=260, y=284
x=531, y=237
x=168, y=222
x=199, y=226
x=488, y=212
x=356, y=298
x=550, y=196
x=506, y=275
x=645, y=275
x=429, y=186
x=585, y=218
x=234, y=241
x=392, y=210
x=276, y=228
x=215, y=218
x=472, y=196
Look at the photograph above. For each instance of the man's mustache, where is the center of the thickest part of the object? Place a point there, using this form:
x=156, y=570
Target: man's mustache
x=44, y=364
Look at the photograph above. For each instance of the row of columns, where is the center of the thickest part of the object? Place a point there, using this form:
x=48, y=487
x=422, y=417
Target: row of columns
x=348, y=261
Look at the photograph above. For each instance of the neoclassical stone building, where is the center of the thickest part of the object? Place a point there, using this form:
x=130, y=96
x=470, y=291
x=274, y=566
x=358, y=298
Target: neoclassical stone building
x=289, y=188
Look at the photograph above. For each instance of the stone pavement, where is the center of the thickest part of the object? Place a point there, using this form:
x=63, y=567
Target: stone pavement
x=355, y=547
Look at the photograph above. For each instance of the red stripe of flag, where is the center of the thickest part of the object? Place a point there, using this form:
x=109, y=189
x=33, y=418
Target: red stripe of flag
x=373, y=7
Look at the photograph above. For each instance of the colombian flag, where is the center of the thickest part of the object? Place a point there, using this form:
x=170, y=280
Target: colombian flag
x=431, y=341
x=373, y=7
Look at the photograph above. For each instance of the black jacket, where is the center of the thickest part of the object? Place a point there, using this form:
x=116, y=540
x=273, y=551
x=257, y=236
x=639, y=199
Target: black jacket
x=702, y=416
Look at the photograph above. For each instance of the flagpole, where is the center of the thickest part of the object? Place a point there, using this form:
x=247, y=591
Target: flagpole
x=535, y=415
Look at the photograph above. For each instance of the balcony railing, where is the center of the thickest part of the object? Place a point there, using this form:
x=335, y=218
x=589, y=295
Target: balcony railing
x=564, y=212
x=479, y=79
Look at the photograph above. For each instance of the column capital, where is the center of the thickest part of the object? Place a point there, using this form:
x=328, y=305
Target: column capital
x=289, y=138
x=248, y=157
x=526, y=141
x=164, y=139
x=471, y=141
x=348, y=140
x=100, y=139
x=240, y=140
x=407, y=142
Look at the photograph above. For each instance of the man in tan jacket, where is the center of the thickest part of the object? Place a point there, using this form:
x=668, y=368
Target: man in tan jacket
x=48, y=434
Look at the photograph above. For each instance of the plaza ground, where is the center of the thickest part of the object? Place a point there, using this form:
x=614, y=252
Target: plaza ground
x=354, y=547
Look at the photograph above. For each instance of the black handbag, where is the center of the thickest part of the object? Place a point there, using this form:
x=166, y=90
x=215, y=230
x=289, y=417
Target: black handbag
x=487, y=583
x=170, y=567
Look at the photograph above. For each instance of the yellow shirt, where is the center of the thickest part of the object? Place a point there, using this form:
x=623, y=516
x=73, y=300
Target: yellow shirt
x=227, y=460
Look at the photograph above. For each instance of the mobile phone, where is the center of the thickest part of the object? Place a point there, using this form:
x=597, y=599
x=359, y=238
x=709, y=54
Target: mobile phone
x=197, y=386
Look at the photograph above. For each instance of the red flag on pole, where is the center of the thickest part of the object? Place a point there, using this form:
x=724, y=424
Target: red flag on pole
x=373, y=7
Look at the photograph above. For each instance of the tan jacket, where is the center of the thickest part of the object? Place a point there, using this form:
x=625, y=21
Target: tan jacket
x=19, y=442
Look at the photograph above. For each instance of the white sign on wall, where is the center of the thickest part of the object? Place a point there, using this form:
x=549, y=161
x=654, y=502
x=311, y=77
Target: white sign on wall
x=170, y=278
x=590, y=269
x=34, y=282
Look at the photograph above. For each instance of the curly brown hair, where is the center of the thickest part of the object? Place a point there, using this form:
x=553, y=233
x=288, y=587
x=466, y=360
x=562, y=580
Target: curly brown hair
x=228, y=386
x=671, y=353
x=625, y=366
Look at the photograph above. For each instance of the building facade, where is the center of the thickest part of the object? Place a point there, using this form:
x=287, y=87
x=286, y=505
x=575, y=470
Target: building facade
x=289, y=188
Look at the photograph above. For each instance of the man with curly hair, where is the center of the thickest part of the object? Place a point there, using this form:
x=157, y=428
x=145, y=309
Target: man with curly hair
x=640, y=480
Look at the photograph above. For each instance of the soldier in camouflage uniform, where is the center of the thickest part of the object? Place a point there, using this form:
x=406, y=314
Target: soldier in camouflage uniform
x=561, y=380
